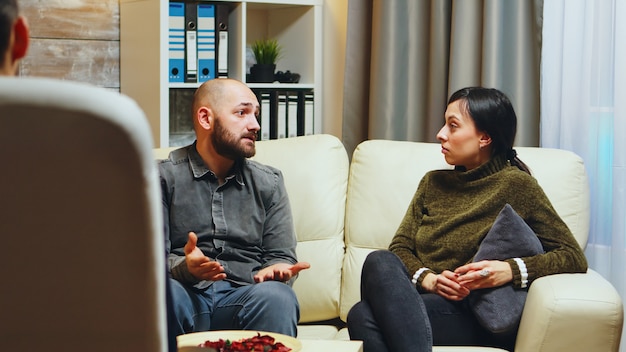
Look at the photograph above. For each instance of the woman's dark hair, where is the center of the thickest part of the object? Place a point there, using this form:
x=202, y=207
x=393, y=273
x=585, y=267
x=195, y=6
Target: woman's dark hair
x=493, y=114
x=8, y=14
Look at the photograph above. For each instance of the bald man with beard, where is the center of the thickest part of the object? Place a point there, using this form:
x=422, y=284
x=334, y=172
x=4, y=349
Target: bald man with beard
x=229, y=230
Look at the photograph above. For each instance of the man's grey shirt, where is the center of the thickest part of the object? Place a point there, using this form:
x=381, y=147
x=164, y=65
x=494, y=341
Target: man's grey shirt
x=245, y=224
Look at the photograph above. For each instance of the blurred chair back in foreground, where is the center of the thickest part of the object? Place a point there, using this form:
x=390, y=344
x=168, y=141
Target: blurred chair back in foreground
x=82, y=251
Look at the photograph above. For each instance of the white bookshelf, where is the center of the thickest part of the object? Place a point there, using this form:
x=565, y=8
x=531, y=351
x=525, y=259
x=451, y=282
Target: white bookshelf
x=144, y=65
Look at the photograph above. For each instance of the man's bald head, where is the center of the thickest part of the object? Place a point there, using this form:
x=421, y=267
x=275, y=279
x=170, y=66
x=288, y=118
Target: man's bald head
x=214, y=91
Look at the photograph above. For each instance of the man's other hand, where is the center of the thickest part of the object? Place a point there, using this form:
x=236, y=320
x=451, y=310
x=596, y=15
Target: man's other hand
x=199, y=265
x=280, y=272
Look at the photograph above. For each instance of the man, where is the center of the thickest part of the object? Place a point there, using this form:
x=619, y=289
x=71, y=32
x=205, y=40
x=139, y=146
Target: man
x=229, y=231
x=13, y=37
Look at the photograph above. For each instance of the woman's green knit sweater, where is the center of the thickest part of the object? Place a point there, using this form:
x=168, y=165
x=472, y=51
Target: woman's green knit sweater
x=452, y=211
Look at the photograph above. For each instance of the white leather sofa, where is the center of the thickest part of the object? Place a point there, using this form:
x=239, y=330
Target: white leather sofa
x=344, y=210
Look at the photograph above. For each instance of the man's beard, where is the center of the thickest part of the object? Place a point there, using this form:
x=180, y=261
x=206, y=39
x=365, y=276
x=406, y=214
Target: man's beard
x=229, y=145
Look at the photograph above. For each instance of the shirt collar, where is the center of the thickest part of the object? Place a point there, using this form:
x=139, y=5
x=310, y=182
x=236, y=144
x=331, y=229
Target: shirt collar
x=199, y=168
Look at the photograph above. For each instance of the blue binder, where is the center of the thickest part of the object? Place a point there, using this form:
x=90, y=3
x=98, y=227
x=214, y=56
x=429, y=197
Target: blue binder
x=176, y=43
x=206, y=42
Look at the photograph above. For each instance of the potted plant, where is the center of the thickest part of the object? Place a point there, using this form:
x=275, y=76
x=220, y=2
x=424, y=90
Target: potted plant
x=266, y=52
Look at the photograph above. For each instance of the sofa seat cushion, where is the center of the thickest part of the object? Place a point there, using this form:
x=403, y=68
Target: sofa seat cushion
x=317, y=332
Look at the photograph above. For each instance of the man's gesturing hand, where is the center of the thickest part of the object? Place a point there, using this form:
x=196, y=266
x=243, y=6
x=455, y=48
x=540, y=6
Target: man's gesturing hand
x=199, y=265
x=280, y=272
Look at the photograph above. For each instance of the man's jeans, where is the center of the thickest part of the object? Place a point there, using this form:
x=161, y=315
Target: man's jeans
x=268, y=306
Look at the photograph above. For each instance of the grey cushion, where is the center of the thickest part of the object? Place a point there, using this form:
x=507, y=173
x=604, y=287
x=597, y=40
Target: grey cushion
x=500, y=309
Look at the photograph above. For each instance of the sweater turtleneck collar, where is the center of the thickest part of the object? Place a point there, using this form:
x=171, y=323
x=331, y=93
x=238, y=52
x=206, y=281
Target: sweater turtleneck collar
x=497, y=163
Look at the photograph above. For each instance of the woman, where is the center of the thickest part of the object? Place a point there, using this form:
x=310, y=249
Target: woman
x=413, y=296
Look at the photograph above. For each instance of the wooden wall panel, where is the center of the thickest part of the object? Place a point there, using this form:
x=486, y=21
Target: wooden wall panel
x=73, y=40
x=78, y=19
x=93, y=61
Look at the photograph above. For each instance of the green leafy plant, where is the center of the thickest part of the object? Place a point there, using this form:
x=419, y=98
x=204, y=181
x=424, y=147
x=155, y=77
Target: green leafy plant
x=267, y=51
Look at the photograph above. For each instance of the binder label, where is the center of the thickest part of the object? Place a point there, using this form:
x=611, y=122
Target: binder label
x=222, y=68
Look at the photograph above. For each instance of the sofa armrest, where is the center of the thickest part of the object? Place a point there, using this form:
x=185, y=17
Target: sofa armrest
x=571, y=312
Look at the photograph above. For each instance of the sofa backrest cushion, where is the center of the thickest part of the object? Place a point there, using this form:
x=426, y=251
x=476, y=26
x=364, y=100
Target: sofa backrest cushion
x=562, y=176
x=385, y=174
x=315, y=169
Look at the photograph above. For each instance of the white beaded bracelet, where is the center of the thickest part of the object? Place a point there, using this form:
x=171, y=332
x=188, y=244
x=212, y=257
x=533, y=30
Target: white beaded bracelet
x=417, y=275
x=523, y=271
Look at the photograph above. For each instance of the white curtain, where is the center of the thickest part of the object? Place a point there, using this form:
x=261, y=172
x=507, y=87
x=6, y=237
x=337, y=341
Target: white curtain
x=583, y=109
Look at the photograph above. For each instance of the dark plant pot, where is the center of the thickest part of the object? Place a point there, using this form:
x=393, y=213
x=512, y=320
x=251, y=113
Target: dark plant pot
x=262, y=73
